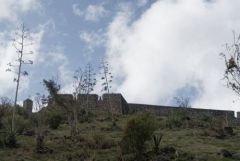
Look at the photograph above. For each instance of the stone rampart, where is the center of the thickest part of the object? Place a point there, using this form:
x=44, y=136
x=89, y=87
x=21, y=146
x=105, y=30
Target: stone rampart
x=28, y=105
x=120, y=105
x=116, y=102
x=166, y=110
x=88, y=101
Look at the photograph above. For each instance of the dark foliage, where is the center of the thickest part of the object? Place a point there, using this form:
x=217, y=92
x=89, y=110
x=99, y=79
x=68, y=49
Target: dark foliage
x=54, y=120
x=10, y=140
x=52, y=87
x=138, y=130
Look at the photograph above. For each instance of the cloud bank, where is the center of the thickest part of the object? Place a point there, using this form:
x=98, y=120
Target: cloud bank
x=8, y=55
x=91, y=13
x=10, y=9
x=172, y=47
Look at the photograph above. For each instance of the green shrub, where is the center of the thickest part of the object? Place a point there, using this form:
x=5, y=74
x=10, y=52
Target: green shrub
x=54, y=120
x=138, y=130
x=177, y=119
x=21, y=111
x=85, y=116
x=10, y=140
x=22, y=124
x=156, y=142
x=100, y=141
x=2, y=144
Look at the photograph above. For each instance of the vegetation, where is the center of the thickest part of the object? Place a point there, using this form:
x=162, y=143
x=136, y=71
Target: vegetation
x=54, y=120
x=137, y=132
x=231, y=57
x=134, y=137
x=21, y=40
x=67, y=129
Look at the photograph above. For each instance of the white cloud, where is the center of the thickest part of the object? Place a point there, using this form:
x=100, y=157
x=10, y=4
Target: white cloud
x=59, y=60
x=92, y=39
x=8, y=54
x=10, y=9
x=76, y=10
x=91, y=13
x=173, y=45
x=141, y=2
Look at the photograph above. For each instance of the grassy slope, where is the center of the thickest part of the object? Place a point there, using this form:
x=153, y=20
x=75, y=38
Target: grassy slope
x=188, y=140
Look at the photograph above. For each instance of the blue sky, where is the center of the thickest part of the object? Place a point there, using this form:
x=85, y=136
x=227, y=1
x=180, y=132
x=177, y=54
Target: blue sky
x=156, y=49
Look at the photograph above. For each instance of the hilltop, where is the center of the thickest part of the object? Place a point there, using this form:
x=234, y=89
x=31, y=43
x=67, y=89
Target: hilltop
x=184, y=138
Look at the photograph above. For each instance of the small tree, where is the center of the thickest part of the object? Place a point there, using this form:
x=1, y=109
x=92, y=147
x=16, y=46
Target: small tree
x=231, y=57
x=20, y=42
x=40, y=103
x=5, y=102
x=79, y=87
x=69, y=107
x=138, y=130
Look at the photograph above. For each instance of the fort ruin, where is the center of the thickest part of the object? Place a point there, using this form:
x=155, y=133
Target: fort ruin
x=120, y=106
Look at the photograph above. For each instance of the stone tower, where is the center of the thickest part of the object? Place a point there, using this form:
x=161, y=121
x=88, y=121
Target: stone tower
x=28, y=105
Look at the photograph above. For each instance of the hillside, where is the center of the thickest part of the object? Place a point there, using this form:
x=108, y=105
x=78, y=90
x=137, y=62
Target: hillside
x=183, y=138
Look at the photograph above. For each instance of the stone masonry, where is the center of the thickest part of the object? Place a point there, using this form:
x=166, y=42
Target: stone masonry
x=119, y=105
x=28, y=105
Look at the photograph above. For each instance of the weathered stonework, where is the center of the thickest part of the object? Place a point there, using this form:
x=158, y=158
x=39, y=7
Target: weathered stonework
x=193, y=112
x=119, y=105
x=28, y=105
x=238, y=115
x=88, y=101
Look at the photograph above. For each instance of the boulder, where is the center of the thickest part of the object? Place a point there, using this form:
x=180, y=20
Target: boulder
x=236, y=156
x=228, y=131
x=225, y=153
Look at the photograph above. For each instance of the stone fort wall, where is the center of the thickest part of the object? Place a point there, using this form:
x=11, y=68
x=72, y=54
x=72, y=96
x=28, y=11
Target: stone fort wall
x=119, y=105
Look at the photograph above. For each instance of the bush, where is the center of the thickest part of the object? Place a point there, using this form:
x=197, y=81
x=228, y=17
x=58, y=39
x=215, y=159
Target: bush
x=100, y=141
x=85, y=116
x=10, y=140
x=156, y=142
x=22, y=124
x=138, y=130
x=54, y=120
x=2, y=144
x=177, y=119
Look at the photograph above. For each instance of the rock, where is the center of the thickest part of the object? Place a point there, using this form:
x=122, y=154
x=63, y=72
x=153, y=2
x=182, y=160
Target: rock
x=220, y=134
x=236, y=156
x=225, y=153
x=28, y=133
x=168, y=149
x=228, y=131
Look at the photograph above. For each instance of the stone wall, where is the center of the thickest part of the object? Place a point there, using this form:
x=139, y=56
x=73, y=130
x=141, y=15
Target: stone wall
x=238, y=115
x=120, y=105
x=166, y=110
x=28, y=105
x=88, y=101
x=116, y=101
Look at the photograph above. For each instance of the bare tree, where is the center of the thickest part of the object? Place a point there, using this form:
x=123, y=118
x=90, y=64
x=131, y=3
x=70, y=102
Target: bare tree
x=40, y=102
x=5, y=102
x=231, y=57
x=107, y=80
x=79, y=87
x=183, y=102
x=89, y=81
x=20, y=42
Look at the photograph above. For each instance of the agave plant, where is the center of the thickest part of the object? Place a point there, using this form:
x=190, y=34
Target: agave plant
x=156, y=142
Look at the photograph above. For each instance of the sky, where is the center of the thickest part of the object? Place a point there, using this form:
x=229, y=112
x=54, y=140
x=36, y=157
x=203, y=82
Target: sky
x=156, y=49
